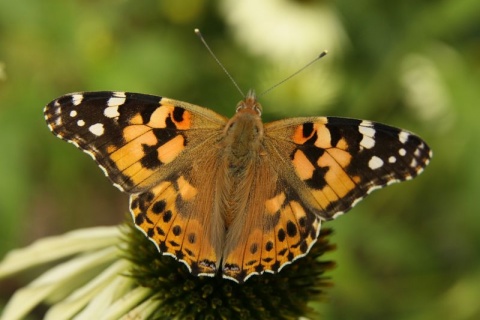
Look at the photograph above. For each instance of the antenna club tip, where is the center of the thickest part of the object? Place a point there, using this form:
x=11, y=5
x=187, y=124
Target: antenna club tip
x=323, y=54
x=196, y=30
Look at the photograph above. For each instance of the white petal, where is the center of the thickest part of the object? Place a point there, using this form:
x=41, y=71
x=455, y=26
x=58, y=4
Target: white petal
x=56, y=282
x=126, y=303
x=98, y=307
x=143, y=311
x=82, y=296
x=53, y=248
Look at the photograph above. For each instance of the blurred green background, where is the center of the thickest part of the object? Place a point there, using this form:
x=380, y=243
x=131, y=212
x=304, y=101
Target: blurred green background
x=410, y=251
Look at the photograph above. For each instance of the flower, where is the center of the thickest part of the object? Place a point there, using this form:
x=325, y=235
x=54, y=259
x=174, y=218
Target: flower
x=115, y=272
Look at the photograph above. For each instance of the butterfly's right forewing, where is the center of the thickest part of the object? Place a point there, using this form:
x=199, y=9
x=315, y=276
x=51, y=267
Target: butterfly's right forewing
x=340, y=161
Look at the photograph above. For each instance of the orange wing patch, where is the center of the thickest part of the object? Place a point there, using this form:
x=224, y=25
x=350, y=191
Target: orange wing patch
x=287, y=233
x=174, y=229
x=321, y=163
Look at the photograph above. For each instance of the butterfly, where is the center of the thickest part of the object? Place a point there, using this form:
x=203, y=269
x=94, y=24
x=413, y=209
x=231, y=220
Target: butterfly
x=235, y=196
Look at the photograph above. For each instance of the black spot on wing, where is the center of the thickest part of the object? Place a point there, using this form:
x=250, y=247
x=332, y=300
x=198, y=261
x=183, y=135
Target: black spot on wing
x=159, y=206
x=192, y=238
x=177, y=230
x=167, y=216
x=259, y=268
x=150, y=160
x=178, y=114
x=317, y=181
x=170, y=124
x=139, y=218
x=291, y=229
x=150, y=232
x=147, y=111
x=303, y=246
x=164, y=135
x=275, y=266
x=269, y=246
x=307, y=129
x=160, y=231
x=312, y=140
x=312, y=153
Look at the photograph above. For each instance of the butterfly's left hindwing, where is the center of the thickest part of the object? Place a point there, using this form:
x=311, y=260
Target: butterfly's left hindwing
x=341, y=160
x=133, y=137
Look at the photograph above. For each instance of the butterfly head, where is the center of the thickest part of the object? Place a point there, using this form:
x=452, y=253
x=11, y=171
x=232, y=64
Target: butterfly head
x=250, y=104
x=244, y=131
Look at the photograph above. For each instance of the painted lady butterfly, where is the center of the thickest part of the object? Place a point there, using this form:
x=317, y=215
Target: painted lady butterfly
x=236, y=197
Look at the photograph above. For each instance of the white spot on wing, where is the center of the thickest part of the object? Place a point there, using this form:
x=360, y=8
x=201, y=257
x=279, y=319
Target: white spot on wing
x=73, y=113
x=75, y=143
x=77, y=99
x=80, y=123
x=97, y=129
x=116, y=101
x=373, y=188
x=356, y=201
x=91, y=154
x=368, y=133
x=367, y=142
x=389, y=182
x=403, y=136
x=402, y=152
x=375, y=163
x=116, y=185
x=119, y=94
x=111, y=111
x=365, y=128
x=392, y=159
x=339, y=213
x=414, y=163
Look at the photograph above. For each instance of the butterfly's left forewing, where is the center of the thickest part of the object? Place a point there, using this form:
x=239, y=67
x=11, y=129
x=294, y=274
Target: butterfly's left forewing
x=339, y=161
x=134, y=138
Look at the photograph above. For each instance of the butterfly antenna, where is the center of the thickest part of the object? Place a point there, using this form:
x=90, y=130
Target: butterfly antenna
x=321, y=55
x=197, y=32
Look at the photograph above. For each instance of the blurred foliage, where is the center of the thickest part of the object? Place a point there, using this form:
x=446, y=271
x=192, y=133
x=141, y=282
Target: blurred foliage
x=410, y=251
